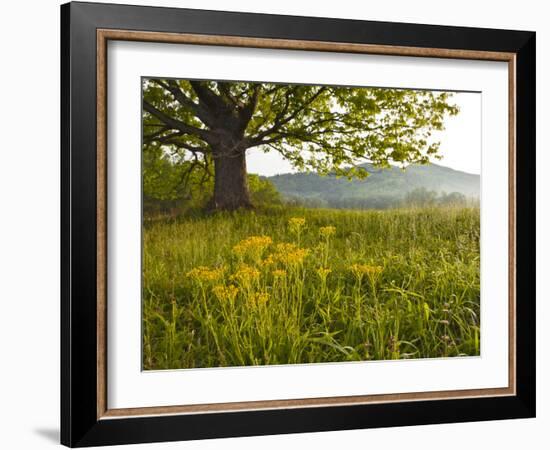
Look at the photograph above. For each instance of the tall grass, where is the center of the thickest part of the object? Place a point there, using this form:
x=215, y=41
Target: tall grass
x=283, y=286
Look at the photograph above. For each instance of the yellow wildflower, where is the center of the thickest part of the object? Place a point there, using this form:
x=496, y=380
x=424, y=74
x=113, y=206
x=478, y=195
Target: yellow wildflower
x=327, y=231
x=294, y=257
x=290, y=254
x=269, y=261
x=323, y=272
x=203, y=273
x=279, y=273
x=258, y=298
x=225, y=293
x=285, y=247
x=252, y=246
x=359, y=270
x=296, y=222
x=295, y=225
x=246, y=274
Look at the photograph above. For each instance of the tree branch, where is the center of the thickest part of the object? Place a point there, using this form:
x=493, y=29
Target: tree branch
x=206, y=96
x=175, y=124
x=246, y=112
x=280, y=120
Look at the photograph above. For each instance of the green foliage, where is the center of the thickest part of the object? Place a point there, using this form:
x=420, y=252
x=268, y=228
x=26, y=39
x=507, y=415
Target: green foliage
x=165, y=178
x=345, y=286
x=172, y=185
x=262, y=191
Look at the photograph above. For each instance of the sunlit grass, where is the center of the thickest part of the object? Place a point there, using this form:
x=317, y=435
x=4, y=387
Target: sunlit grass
x=283, y=286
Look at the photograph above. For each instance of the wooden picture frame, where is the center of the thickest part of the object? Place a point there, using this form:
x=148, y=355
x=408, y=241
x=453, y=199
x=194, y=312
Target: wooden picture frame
x=86, y=418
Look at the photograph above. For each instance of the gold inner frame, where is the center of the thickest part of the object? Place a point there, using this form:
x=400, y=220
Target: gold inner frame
x=104, y=35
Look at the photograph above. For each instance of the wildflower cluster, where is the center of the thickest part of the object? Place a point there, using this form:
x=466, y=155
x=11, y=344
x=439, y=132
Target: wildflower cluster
x=327, y=231
x=296, y=224
x=253, y=246
x=268, y=261
x=290, y=254
x=257, y=299
x=225, y=293
x=246, y=275
x=202, y=273
x=360, y=270
x=257, y=255
x=323, y=272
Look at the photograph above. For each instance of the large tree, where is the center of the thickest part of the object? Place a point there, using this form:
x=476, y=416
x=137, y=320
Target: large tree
x=322, y=128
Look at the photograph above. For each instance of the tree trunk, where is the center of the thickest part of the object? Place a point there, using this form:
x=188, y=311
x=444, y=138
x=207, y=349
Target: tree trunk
x=230, y=183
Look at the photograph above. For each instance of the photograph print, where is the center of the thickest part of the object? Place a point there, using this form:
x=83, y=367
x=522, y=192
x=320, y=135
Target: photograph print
x=299, y=224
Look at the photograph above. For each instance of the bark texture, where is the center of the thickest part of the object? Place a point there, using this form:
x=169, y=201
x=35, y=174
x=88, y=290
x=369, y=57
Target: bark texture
x=230, y=183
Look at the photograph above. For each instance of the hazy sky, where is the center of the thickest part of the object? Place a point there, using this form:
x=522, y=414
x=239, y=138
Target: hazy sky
x=460, y=142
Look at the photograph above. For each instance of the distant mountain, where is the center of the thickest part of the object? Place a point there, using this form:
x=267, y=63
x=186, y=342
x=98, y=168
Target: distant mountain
x=382, y=188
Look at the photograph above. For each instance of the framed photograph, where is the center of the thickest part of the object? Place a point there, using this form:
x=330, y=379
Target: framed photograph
x=276, y=224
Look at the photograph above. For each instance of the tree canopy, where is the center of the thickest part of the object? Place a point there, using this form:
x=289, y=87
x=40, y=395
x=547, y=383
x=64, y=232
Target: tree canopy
x=210, y=125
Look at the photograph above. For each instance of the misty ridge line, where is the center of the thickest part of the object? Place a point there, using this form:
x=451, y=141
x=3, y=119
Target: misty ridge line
x=393, y=167
x=429, y=184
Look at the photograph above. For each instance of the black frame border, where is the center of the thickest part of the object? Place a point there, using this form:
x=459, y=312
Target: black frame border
x=79, y=424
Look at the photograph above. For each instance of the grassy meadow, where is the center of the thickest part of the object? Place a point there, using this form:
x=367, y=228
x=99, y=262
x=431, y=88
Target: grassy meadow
x=287, y=285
